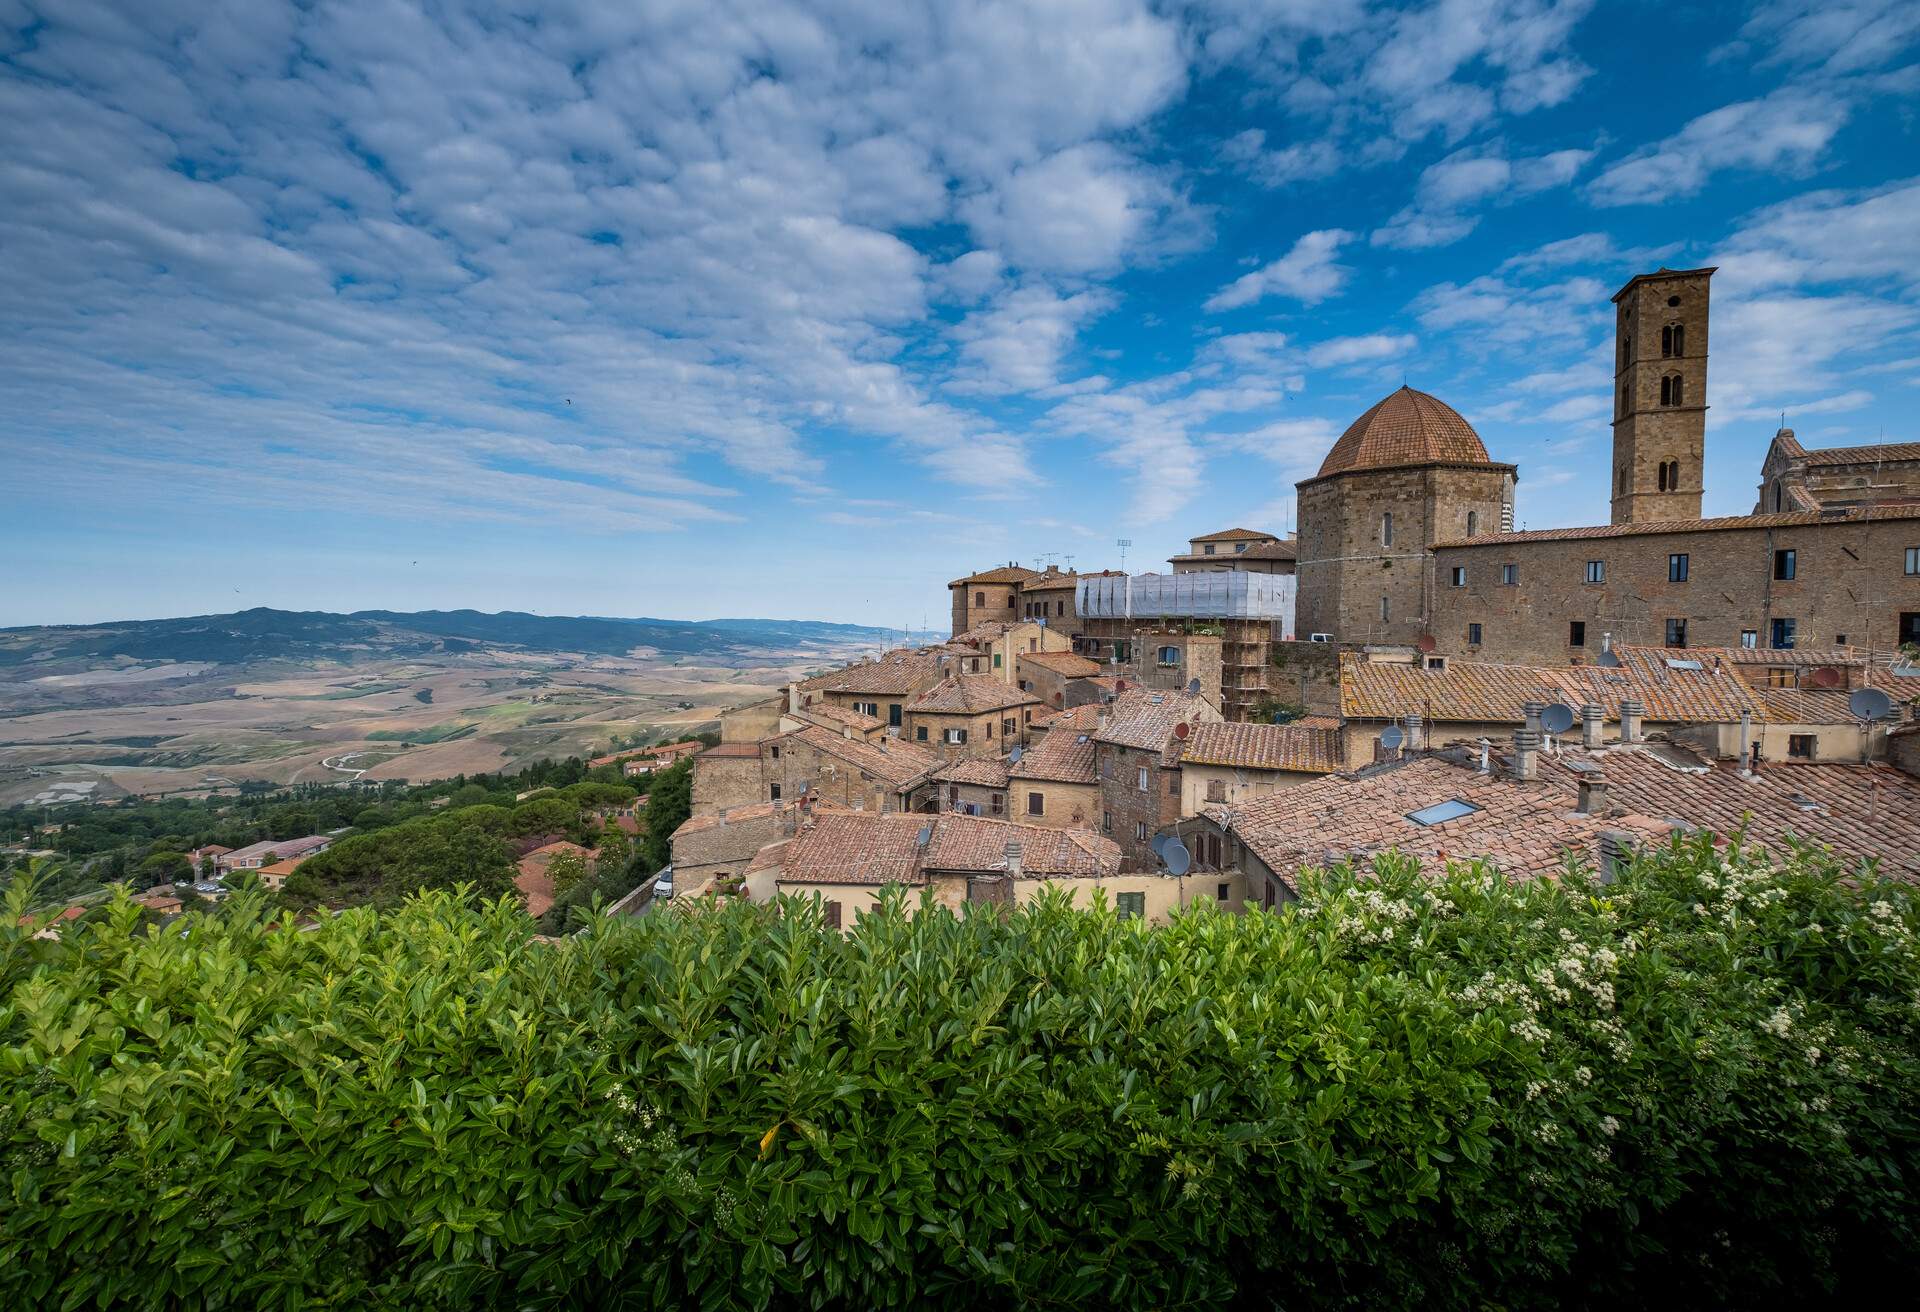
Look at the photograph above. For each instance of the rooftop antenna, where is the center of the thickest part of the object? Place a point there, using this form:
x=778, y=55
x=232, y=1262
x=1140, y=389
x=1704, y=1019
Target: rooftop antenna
x=1123, y=544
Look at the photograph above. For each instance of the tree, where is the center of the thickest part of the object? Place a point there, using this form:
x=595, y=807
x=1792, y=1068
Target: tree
x=613, y=851
x=543, y=815
x=669, y=803
x=567, y=870
x=163, y=868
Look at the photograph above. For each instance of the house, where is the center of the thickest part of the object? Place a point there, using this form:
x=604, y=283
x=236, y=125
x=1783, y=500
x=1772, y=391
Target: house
x=998, y=645
x=973, y=786
x=161, y=904
x=714, y=847
x=1232, y=763
x=1137, y=745
x=1237, y=548
x=992, y=594
x=273, y=877
x=847, y=861
x=1528, y=812
x=211, y=852
x=728, y=775
x=1049, y=675
x=887, y=774
x=968, y=715
x=637, y=761
x=534, y=881
x=60, y=920
x=880, y=688
x=255, y=855
x=1055, y=782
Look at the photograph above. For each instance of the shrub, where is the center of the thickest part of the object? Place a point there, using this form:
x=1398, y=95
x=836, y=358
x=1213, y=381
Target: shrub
x=1695, y=1086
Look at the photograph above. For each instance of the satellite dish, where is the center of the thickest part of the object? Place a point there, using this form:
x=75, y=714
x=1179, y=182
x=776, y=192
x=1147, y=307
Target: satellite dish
x=1609, y=660
x=1557, y=718
x=1178, y=859
x=1869, y=704
x=1825, y=677
x=1193, y=687
x=1015, y=754
x=1392, y=738
x=1159, y=845
x=1181, y=730
x=1279, y=717
x=1425, y=643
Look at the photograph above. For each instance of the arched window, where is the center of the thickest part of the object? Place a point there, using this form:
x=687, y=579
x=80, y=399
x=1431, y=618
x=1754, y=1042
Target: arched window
x=1663, y=476
x=1623, y=398
x=1679, y=331
x=1473, y=522
x=1666, y=343
x=1776, y=496
x=1386, y=529
x=1679, y=395
x=1623, y=478
x=1666, y=391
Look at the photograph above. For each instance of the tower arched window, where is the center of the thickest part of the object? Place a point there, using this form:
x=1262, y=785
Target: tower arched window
x=1666, y=343
x=1679, y=390
x=1473, y=522
x=1386, y=529
x=1623, y=398
x=1672, y=390
x=1623, y=478
x=1679, y=331
x=1776, y=496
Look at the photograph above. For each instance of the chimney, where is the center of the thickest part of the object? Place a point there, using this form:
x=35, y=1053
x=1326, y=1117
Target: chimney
x=1486, y=756
x=1746, y=738
x=1593, y=793
x=1526, y=754
x=1616, y=849
x=846, y=731
x=1416, y=734
x=1013, y=859
x=1630, y=712
x=1532, y=711
x=1592, y=718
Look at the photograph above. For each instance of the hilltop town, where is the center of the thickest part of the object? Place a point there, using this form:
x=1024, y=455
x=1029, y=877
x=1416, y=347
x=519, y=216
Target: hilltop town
x=1407, y=672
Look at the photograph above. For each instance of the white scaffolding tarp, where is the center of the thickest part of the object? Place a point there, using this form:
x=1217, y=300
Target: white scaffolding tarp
x=1203, y=594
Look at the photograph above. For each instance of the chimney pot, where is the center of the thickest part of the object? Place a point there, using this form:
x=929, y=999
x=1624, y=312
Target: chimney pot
x=1630, y=712
x=1013, y=859
x=1416, y=734
x=1593, y=794
x=1532, y=711
x=1592, y=721
x=1526, y=754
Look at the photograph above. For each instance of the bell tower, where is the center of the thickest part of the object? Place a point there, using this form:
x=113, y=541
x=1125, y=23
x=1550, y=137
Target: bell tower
x=1660, y=396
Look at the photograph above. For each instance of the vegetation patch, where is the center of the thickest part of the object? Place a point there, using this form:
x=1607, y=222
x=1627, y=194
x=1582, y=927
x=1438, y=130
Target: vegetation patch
x=435, y=733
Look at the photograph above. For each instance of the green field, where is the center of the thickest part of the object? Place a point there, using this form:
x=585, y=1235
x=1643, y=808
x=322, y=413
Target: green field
x=348, y=694
x=437, y=733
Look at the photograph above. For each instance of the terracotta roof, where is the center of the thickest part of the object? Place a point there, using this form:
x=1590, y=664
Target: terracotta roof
x=1783, y=655
x=1145, y=718
x=1406, y=428
x=1068, y=663
x=1863, y=455
x=1265, y=747
x=736, y=749
x=1231, y=535
x=895, y=673
x=1069, y=579
x=769, y=857
x=834, y=716
x=1066, y=753
x=969, y=694
x=1785, y=519
x=863, y=848
x=984, y=632
x=1004, y=574
x=280, y=847
x=1475, y=691
x=283, y=867
x=533, y=881
x=893, y=761
x=983, y=771
x=1264, y=551
x=1806, y=705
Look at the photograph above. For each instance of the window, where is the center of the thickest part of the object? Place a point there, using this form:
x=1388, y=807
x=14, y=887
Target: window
x=1459, y=576
x=1596, y=571
x=1140, y=831
x=1800, y=745
x=1036, y=803
x=1623, y=479
x=1473, y=522
x=830, y=914
x=1173, y=784
x=1749, y=638
x=1840, y=640
x=1222, y=894
x=1106, y=822
x=1216, y=790
x=1782, y=635
x=996, y=660
x=1509, y=575
x=989, y=730
x=1785, y=564
x=1209, y=549
x=1780, y=679
x=1386, y=609
x=1577, y=633
x=1776, y=496
x=893, y=714
x=1241, y=547
x=1169, y=655
x=1669, y=477
x=1672, y=390
x=1913, y=560
x=775, y=749
x=953, y=797
x=1143, y=779
x=1386, y=529
x=979, y=598
x=773, y=792
x=960, y=735
x=1677, y=568
x=1130, y=906
x=1473, y=634
x=997, y=803
x=920, y=733
x=1676, y=633
x=1441, y=812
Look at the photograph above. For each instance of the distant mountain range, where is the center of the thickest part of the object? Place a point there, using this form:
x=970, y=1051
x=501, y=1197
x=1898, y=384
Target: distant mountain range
x=263, y=634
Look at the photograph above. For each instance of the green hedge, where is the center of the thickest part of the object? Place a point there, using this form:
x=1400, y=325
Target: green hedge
x=1697, y=1086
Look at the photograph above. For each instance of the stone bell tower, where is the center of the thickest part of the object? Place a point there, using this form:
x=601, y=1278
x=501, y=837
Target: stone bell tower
x=1660, y=396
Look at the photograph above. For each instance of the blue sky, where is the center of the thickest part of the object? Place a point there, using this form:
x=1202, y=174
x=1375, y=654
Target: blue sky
x=758, y=308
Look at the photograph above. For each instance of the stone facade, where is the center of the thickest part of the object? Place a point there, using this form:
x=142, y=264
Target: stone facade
x=979, y=733
x=1794, y=478
x=1060, y=806
x=1660, y=396
x=1365, y=537
x=1719, y=579
x=726, y=776
x=1130, y=813
x=791, y=766
x=990, y=595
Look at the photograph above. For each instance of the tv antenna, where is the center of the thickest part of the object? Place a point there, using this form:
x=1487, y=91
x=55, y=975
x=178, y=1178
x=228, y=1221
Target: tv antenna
x=1123, y=544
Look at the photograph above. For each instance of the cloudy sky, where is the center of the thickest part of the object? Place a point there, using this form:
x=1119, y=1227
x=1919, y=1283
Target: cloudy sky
x=744, y=307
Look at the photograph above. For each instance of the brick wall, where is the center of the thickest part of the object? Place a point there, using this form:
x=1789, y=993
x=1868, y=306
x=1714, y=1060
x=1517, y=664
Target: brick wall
x=1850, y=585
x=1065, y=806
x=987, y=734
x=799, y=765
x=1125, y=806
x=723, y=781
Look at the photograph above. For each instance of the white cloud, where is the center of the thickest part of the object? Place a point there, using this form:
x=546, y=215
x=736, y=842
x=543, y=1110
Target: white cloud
x=1841, y=36
x=1301, y=161
x=1829, y=236
x=1307, y=273
x=1367, y=349
x=1786, y=133
x=1467, y=178
x=1081, y=210
x=1781, y=351
x=1016, y=345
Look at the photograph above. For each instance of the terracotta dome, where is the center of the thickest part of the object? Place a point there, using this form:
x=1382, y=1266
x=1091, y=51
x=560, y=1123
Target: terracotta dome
x=1407, y=428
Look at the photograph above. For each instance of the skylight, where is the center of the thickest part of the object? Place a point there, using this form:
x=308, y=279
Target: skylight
x=1441, y=812
x=1684, y=665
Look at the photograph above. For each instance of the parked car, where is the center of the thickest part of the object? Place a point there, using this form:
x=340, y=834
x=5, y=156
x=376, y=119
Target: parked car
x=663, y=883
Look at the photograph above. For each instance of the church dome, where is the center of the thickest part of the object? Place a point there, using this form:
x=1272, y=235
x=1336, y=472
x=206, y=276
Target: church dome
x=1407, y=428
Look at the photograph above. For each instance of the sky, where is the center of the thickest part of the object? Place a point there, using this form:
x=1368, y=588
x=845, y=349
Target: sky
x=752, y=308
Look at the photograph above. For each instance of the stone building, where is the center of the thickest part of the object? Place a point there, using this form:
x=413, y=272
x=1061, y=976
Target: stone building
x=1237, y=548
x=726, y=776
x=889, y=774
x=1233, y=763
x=1137, y=760
x=973, y=786
x=1841, y=477
x=722, y=843
x=1049, y=674
x=992, y=594
x=1660, y=396
x=880, y=688
x=970, y=715
x=993, y=647
x=1406, y=474
x=1055, y=782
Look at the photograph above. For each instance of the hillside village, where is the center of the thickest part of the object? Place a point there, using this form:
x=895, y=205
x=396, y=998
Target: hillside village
x=1407, y=672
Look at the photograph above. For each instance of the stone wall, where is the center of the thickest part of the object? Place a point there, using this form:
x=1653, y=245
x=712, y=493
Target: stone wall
x=724, y=780
x=1064, y=806
x=1126, y=809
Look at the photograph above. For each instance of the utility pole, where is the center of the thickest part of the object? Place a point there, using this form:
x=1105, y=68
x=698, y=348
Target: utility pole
x=1123, y=544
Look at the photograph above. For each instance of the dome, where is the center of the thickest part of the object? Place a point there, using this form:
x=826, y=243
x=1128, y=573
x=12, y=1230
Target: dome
x=1407, y=428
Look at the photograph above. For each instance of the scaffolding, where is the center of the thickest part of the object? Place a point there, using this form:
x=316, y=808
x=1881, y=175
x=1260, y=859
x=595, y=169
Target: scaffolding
x=1216, y=594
